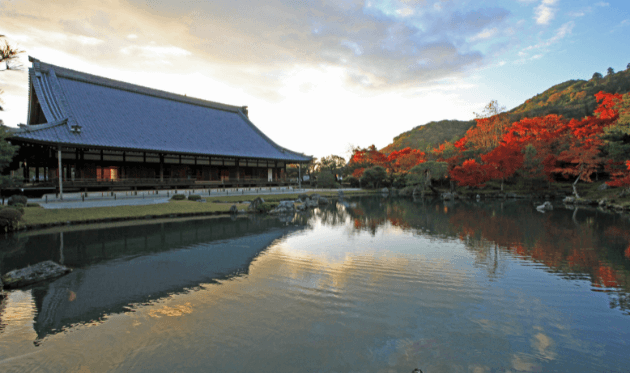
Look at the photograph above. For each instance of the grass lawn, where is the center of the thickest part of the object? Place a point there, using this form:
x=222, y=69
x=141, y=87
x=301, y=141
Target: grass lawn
x=39, y=215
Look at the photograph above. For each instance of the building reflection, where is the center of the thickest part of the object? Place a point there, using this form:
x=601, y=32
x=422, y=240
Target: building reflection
x=118, y=267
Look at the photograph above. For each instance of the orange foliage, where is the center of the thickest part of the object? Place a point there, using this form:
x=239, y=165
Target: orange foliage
x=605, y=276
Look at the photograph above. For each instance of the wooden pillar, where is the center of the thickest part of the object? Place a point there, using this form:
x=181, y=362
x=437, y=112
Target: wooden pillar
x=37, y=174
x=161, y=167
x=60, y=173
x=300, y=175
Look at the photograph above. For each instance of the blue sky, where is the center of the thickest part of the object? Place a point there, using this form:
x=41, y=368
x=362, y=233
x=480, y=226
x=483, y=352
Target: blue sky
x=319, y=76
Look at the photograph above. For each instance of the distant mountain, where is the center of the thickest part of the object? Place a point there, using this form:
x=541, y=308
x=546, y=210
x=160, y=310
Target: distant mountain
x=571, y=99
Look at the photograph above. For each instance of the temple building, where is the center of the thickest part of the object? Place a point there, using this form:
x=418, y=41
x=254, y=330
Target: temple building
x=102, y=133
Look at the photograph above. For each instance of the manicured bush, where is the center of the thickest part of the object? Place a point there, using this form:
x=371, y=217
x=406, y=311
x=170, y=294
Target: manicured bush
x=353, y=181
x=194, y=197
x=178, y=197
x=19, y=207
x=9, y=218
x=326, y=180
x=15, y=199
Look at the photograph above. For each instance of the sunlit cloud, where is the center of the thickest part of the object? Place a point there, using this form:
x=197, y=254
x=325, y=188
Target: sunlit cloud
x=545, y=12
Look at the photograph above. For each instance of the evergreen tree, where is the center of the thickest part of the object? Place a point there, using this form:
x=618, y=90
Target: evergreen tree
x=610, y=71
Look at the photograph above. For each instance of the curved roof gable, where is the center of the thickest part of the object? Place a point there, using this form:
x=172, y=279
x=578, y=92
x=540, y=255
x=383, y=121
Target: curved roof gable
x=116, y=114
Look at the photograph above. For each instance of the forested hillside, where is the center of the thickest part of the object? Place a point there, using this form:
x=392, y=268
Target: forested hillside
x=573, y=99
x=430, y=135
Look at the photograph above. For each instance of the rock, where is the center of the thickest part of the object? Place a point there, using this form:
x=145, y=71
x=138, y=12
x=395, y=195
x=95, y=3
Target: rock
x=301, y=207
x=448, y=196
x=604, y=186
x=478, y=196
x=284, y=207
x=602, y=202
x=255, y=204
x=545, y=206
x=233, y=209
x=341, y=194
x=39, y=272
x=311, y=203
x=385, y=191
x=303, y=197
x=315, y=197
x=569, y=200
x=322, y=201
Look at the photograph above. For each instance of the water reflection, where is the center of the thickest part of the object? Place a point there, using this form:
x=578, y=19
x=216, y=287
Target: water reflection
x=119, y=267
x=579, y=244
x=367, y=285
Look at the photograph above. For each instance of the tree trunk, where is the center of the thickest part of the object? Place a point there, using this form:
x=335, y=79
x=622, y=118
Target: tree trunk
x=501, y=185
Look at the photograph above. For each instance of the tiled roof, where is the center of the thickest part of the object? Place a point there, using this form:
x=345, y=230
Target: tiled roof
x=115, y=114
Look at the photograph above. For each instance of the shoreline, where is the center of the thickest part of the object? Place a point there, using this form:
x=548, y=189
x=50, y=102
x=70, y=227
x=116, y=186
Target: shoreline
x=38, y=218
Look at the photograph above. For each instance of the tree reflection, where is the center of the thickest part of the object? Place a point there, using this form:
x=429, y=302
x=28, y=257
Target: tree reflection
x=576, y=244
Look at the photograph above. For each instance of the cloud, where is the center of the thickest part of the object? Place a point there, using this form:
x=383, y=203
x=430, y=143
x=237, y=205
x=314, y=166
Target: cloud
x=378, y=47
x=602, y=4
x=562, y=32
x=485, y=34
x=545, y=12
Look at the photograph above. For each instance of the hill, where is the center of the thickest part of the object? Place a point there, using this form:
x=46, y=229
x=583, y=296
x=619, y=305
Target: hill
x=571, y=99
x=430, y=135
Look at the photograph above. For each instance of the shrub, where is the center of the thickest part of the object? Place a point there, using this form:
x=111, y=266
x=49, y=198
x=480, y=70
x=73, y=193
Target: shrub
x=32, y=204
x=265, y=207
x=374, y=176
x=19, y=207
x=326, y=180
x=194, y=197
x=353, y=181
x=178, y=197
x=15, y=199
x=9, y=218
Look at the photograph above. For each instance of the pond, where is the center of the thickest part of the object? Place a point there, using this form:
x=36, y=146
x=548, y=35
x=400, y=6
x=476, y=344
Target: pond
x=364, y=285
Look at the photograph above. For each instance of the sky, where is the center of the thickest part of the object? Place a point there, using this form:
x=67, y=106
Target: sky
x=322, y=76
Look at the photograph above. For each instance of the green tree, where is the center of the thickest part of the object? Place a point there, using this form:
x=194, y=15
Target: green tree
x=423, y=174
x=332, y=163
x=610, y=71
x=597, y=76
x=374, y=176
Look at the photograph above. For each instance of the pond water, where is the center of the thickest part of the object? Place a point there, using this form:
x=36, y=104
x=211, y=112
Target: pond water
x=367, y=285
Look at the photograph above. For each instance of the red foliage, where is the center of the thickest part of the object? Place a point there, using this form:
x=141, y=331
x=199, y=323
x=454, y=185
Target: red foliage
x=404, y=160
x=621, y=179
x=504, y=160
x=608, y=107
x=471, y=173
x=358, y=172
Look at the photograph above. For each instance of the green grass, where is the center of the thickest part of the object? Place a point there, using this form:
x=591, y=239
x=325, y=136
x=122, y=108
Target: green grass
x=39, y=215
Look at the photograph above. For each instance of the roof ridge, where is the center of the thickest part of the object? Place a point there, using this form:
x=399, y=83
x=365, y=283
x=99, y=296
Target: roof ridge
x=64, y=72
